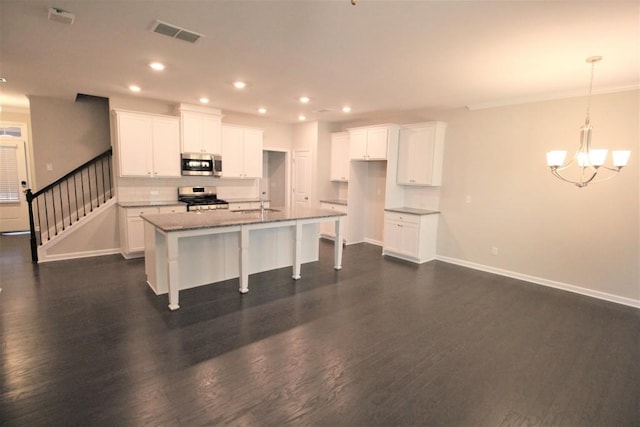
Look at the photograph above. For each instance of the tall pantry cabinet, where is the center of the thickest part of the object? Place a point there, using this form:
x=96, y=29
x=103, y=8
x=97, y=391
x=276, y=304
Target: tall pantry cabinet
x=412, y=199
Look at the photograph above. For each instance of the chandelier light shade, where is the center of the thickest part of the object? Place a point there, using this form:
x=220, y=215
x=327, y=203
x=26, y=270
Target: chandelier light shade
x=587, y=162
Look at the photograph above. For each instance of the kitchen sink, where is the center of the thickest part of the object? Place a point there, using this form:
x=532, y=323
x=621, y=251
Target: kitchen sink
x=250, y=211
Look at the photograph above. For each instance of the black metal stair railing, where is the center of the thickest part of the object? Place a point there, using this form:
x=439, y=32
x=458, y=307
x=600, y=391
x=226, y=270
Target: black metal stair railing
x=60, y=204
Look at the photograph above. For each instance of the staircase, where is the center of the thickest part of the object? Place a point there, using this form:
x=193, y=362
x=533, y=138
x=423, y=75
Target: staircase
x=69, y=202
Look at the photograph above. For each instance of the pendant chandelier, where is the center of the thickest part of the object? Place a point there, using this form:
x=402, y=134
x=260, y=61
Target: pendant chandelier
x=589, y=161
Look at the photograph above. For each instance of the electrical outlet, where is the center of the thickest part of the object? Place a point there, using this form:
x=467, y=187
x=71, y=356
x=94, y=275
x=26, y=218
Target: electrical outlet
x=49, y=167
x=155, y=193
x=494, y=250
x=468, y=199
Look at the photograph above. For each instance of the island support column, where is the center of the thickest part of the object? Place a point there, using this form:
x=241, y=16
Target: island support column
x=337, y=248
x=173, y=272
x=297, y=250
x=244, y=260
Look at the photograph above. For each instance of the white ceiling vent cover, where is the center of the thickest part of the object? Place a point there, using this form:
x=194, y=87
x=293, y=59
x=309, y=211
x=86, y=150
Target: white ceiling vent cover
x=175, y=32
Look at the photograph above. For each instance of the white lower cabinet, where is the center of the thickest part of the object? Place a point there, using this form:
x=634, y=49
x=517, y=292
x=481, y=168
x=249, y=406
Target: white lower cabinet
x=132, y=227
x=327, y=228
x=410, y=237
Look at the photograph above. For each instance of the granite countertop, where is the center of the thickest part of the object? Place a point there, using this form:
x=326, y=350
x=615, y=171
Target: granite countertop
x=212, y=219
x=335, y=201
x=413, y=211
x=151, y=203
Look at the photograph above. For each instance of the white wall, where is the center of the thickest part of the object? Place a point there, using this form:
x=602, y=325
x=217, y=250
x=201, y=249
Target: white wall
x=66, y=134
x=326, y=188
x=588, y=238
x=275, y=177
x=277, y=136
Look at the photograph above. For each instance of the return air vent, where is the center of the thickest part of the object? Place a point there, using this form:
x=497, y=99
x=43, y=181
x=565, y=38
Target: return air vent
x=175, y=32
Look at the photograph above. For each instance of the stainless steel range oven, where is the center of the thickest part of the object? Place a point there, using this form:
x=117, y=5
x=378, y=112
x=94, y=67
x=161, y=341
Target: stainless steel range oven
x=201, y=198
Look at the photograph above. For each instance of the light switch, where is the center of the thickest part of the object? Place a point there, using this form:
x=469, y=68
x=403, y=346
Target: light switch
x=49, y=167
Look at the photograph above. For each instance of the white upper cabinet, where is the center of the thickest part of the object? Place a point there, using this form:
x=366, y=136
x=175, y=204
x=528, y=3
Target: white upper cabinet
x=166, y=146
x=201, y=132
x=339, y=157
x=420, y=154
x=369, y=143
x=241, y=152
x=148, y=144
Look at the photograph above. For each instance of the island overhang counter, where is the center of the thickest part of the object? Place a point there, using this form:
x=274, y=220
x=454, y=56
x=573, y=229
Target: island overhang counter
x=185, y=250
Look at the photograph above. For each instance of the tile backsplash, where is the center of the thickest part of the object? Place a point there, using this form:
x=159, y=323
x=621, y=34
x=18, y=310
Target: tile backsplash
x=163, y=189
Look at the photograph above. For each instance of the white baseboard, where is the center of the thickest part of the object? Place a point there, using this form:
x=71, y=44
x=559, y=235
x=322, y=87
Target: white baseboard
x=544, y=282
x=373, y=242
x=76, y=255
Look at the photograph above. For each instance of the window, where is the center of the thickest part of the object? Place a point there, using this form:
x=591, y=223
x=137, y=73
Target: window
x=9, y=180
x=10, y=131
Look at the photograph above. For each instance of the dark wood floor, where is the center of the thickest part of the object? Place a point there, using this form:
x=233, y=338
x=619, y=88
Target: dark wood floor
x=382, y=342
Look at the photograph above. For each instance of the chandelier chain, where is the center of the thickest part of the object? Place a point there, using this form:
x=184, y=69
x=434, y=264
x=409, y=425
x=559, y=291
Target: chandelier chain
x=588, y=118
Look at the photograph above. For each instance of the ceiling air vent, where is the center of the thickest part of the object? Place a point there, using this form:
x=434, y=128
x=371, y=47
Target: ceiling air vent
x=175, y=32
x=59, y=15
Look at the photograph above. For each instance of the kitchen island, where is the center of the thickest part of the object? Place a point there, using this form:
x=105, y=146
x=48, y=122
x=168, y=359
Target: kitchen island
x=185, y=250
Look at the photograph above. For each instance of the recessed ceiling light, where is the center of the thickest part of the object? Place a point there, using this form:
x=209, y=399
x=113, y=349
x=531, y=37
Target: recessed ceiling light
x=262, y=110
x=158, y=66
x=204, y=100
x=302, y=118
x=134, y=88
x=304, y=99
x=346, y=109
x=239, y=84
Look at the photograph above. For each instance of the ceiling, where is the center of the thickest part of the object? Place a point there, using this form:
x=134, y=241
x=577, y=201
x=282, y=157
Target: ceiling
x=377, y=56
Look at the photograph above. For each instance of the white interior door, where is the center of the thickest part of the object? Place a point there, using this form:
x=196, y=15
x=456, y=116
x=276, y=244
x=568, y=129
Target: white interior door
x=302, y=179
x=14, y=215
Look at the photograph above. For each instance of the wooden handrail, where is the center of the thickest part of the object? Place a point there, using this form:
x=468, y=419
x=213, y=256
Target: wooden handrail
x=68, y=179
x=70, y=174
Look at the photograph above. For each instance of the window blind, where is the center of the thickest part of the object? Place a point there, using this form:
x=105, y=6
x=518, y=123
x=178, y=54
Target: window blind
x=9, y=180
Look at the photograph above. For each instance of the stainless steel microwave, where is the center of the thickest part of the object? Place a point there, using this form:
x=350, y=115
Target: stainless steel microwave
x=201, y=164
